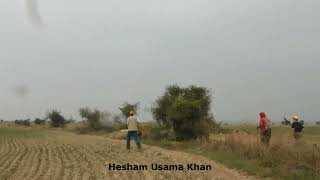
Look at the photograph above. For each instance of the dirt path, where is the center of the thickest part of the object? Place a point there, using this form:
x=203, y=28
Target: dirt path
x=64, y=155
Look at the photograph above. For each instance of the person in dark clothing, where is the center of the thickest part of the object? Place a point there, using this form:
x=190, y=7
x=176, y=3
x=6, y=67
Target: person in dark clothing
x=297, y=127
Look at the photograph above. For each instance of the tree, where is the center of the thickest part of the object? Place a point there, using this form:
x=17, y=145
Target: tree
x=184, y=115
x=186, y=110
x=126, y=108
x=56, y=119
x=92, y=117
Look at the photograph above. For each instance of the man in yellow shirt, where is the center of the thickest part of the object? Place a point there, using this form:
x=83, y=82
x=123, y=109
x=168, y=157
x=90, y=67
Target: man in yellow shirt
x=133, y=123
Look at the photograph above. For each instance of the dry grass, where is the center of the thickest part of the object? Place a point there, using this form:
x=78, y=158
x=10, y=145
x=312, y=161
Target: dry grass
x=7, y=124
x=241, y=148
x=294, y=156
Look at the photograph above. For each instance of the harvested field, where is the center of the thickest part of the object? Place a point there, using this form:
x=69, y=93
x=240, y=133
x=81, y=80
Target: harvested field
x=27, y=153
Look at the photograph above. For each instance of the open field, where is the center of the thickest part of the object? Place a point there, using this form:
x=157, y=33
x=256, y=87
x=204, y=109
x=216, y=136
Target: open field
x=42, y=153
x=34, y=153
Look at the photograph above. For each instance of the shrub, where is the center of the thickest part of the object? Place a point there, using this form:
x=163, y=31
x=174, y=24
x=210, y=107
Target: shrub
x=23, y=122
x=92, y=117
x=126, y=108
x=56, y=119
x=26, y=122
x=39, y=121
x=186, y=110
x=184, y=115
x=293, y=155
x=159, y=133
x=318, y=123
x=98, y=120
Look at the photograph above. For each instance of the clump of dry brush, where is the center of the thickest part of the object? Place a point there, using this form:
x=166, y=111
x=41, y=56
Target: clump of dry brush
x=282, y=150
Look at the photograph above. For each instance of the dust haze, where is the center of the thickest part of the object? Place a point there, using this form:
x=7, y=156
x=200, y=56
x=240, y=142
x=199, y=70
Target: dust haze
x=256, y=55
x=106, y=119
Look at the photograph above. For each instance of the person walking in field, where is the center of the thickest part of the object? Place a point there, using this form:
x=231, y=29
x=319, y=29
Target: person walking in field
x=297, y=127
x=265, y=128
x=133, y=124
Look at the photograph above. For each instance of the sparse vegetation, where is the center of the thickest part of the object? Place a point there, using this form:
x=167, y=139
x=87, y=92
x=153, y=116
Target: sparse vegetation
x=39, y=121
x=92, y=117
x=97, y=120
x=183, y=122
x=56, y=119
x=23, y=122
x=240, y=148
x=299, y=158
x=126, y=108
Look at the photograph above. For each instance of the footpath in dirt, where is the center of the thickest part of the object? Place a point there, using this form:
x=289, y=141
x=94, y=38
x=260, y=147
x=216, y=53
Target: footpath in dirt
x=64, y=155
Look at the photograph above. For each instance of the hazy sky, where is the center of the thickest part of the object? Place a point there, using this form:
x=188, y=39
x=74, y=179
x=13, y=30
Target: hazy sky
x=257, y=55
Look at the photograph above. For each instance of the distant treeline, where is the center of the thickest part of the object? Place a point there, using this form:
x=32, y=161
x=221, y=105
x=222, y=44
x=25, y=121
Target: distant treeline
x=180, y=112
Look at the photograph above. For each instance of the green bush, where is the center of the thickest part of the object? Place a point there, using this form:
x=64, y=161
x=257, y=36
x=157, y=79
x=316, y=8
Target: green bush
x=56, y=119
x=185, y=117
x=186, y=111
x=39, y=121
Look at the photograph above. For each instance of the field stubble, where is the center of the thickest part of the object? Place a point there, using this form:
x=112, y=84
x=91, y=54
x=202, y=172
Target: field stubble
x=47, y=154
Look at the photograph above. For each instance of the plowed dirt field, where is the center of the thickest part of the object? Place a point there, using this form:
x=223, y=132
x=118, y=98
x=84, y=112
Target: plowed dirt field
x=56, y=154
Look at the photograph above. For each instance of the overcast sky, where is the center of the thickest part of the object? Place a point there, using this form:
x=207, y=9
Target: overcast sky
x=257, y=55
